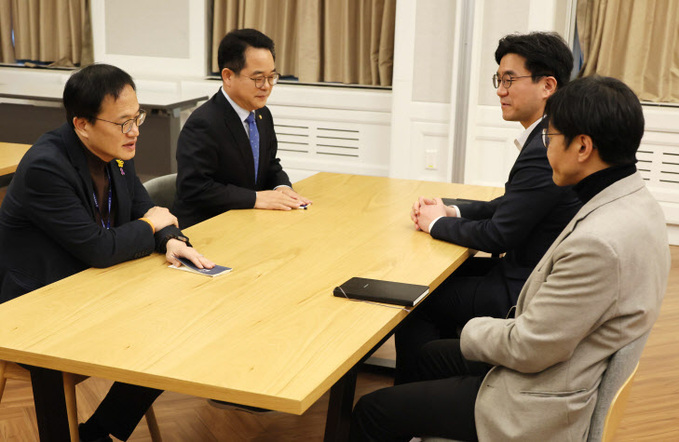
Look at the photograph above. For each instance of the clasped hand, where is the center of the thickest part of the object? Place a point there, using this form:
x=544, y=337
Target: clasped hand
x=426, y=210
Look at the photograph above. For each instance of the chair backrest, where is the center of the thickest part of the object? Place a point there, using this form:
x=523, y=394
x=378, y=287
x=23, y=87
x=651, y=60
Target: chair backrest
x=162, y=189
x=614, y=389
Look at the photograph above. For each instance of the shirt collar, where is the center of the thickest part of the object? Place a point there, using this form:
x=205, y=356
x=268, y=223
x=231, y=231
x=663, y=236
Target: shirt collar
x=521, y=140
x=242, y=113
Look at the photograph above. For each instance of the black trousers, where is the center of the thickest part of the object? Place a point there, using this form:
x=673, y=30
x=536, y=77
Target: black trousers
x=477, y=288
x=440, y=403
x=123, y=407
x=118, y=414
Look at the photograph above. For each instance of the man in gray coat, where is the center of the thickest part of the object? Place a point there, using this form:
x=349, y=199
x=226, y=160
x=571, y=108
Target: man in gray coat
x=599, y=287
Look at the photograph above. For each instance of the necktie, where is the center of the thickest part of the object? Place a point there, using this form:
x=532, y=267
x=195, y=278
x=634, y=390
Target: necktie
x=254, y=140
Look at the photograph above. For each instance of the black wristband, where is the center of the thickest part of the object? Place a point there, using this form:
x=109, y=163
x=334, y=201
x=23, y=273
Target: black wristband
x=167, y=233
x=166, y=238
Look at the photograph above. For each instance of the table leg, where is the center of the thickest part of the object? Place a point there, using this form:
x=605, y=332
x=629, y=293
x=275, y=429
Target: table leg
x=339, y=408
x=50, y=405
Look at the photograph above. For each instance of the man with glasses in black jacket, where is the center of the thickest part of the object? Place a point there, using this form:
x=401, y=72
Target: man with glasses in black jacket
x=76, y=202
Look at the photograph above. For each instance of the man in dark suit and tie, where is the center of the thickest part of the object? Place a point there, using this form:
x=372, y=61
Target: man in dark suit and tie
x=521, y=224
x=226, y=153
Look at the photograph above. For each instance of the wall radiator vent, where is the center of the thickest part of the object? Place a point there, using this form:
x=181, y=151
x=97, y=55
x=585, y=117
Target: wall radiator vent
x=321, y=140
x=658, y=162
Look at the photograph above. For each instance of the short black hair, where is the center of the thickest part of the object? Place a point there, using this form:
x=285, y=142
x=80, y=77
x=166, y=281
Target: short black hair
x=86, y=89
x=604, y=108
x=546, y=54
x=231, y=53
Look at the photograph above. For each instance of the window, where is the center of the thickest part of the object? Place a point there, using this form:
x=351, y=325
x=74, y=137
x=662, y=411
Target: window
x=636, y=42
x=338, y=41
x=54, y=33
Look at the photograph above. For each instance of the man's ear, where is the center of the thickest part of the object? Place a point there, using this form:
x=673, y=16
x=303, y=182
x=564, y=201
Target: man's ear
x=81, y=126
x=585, y=146
x=227, y=75
x=549, y=85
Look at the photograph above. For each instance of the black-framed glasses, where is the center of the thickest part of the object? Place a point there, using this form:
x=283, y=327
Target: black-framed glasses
x=126, y=126
x=546, y=135
x=507, y=80
x=272, y=79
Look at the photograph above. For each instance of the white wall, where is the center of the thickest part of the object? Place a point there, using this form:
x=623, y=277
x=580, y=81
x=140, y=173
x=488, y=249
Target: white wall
x=423, y=91
x=161, y=38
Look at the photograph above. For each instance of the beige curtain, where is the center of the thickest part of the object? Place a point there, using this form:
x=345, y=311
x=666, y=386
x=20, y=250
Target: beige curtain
x=56, y=31
x=6, y=46
x=276, y=18
x=344, y=41
x=634, y=41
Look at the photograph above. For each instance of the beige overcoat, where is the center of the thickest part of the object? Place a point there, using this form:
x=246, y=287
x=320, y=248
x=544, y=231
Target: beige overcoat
x=597, y=288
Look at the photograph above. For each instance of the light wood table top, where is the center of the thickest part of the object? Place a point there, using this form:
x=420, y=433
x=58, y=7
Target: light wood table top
x=268, y=334
x=10, y=155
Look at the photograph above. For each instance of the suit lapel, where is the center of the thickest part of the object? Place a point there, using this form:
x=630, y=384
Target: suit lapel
x=525, y=150
x=537, y=131
x=613, y=192
x=76, y=156
x=234, y=127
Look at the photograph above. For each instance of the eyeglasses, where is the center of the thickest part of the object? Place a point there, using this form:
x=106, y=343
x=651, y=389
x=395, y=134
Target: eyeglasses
x=272, y=79
x=126, y=126
x=507, y=80
x=546, y=135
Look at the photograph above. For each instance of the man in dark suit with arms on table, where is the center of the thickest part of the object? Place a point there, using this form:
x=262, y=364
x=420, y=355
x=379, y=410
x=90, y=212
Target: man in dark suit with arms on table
x=75, y=202
x=226, y=153
x=521, y=224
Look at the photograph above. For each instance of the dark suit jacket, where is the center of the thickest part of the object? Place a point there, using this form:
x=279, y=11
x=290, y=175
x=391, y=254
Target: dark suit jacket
x=215, y=167
x=523, y=222
x=47, y=219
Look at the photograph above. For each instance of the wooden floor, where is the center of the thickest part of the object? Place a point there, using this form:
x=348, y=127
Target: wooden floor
x=652, y=413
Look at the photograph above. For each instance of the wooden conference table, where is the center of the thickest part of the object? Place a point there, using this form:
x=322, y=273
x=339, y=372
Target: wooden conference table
x=10, y=155
x=269, y=334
